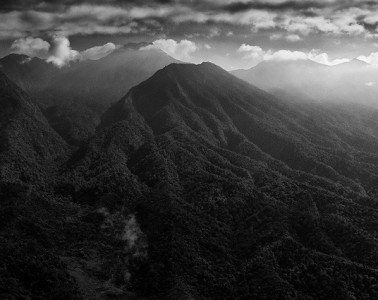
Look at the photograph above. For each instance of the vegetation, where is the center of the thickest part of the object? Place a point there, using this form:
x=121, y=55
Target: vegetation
x=198, y=185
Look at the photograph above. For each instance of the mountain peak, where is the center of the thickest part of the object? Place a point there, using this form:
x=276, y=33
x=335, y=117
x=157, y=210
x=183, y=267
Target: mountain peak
x=174, y=94
x=192, y=69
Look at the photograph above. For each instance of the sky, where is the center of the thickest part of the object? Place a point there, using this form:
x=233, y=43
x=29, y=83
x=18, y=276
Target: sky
x=231, y=33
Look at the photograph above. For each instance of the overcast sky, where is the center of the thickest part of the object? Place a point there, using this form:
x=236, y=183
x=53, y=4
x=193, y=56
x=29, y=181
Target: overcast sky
x=231, y=33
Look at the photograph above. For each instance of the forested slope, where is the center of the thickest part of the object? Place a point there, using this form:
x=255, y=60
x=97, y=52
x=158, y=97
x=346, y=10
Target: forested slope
x=199, y=185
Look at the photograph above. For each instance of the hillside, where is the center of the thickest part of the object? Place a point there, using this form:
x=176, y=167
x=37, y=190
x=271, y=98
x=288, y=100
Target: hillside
x=195, y=185
x=29, y=146
x=238, y=194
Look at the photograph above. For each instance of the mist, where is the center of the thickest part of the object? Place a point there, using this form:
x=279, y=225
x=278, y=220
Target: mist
x=305, y=80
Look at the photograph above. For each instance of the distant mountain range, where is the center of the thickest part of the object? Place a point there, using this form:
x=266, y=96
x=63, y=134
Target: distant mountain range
x=74, y=97
x=351, y=82
x=195, y=185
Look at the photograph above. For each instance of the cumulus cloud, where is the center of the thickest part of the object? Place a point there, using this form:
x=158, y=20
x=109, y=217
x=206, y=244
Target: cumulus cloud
x=58, y=51
x=31, y=46
x=371, y=59
x=323, y=58
x=179, y=50
x=61, y=52
x=252, y=52
x=257, y=54
x=282, y=55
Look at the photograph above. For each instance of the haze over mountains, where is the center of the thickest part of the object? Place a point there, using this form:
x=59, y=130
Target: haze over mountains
x=74, y=97
x=301, y=80
x=195, y=184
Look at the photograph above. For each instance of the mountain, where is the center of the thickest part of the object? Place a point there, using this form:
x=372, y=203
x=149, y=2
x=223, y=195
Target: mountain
x=102, y=82
x=28, y=144
x=236, y=193
x=304, y=80
x=98, y=82
x=289, y=79
x=353, y=63
x=38, y=226
x=74, y=97
x=198, y=185
x=31, y=74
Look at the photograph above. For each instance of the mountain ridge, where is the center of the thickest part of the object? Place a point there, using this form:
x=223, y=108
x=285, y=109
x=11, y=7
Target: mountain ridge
x=193, y=137
x=199, y=185
x=351, y=82
x=74, y=97
x=28, y=141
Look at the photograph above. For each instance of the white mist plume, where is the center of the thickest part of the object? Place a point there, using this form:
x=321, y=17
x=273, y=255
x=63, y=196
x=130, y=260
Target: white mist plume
x=131, y=232
x=125, y=229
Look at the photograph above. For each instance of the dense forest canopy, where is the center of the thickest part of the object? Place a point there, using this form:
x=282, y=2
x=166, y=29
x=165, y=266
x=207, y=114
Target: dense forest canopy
x=195, y=184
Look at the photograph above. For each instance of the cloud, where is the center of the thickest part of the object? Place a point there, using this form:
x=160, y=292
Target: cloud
x=289, y=37
x=370, y=84
x=31, y=46
x=371, y=59
x=257, y=54
x=179, y=50
x=214, y=32
x=293, y=38
x=69, y=17
x=252, y=52
x=284, y=55
x=61, y=52
x=84, y=19
x=98, y=52
x=339, y=24
x=241, y=6
x=324, y=59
